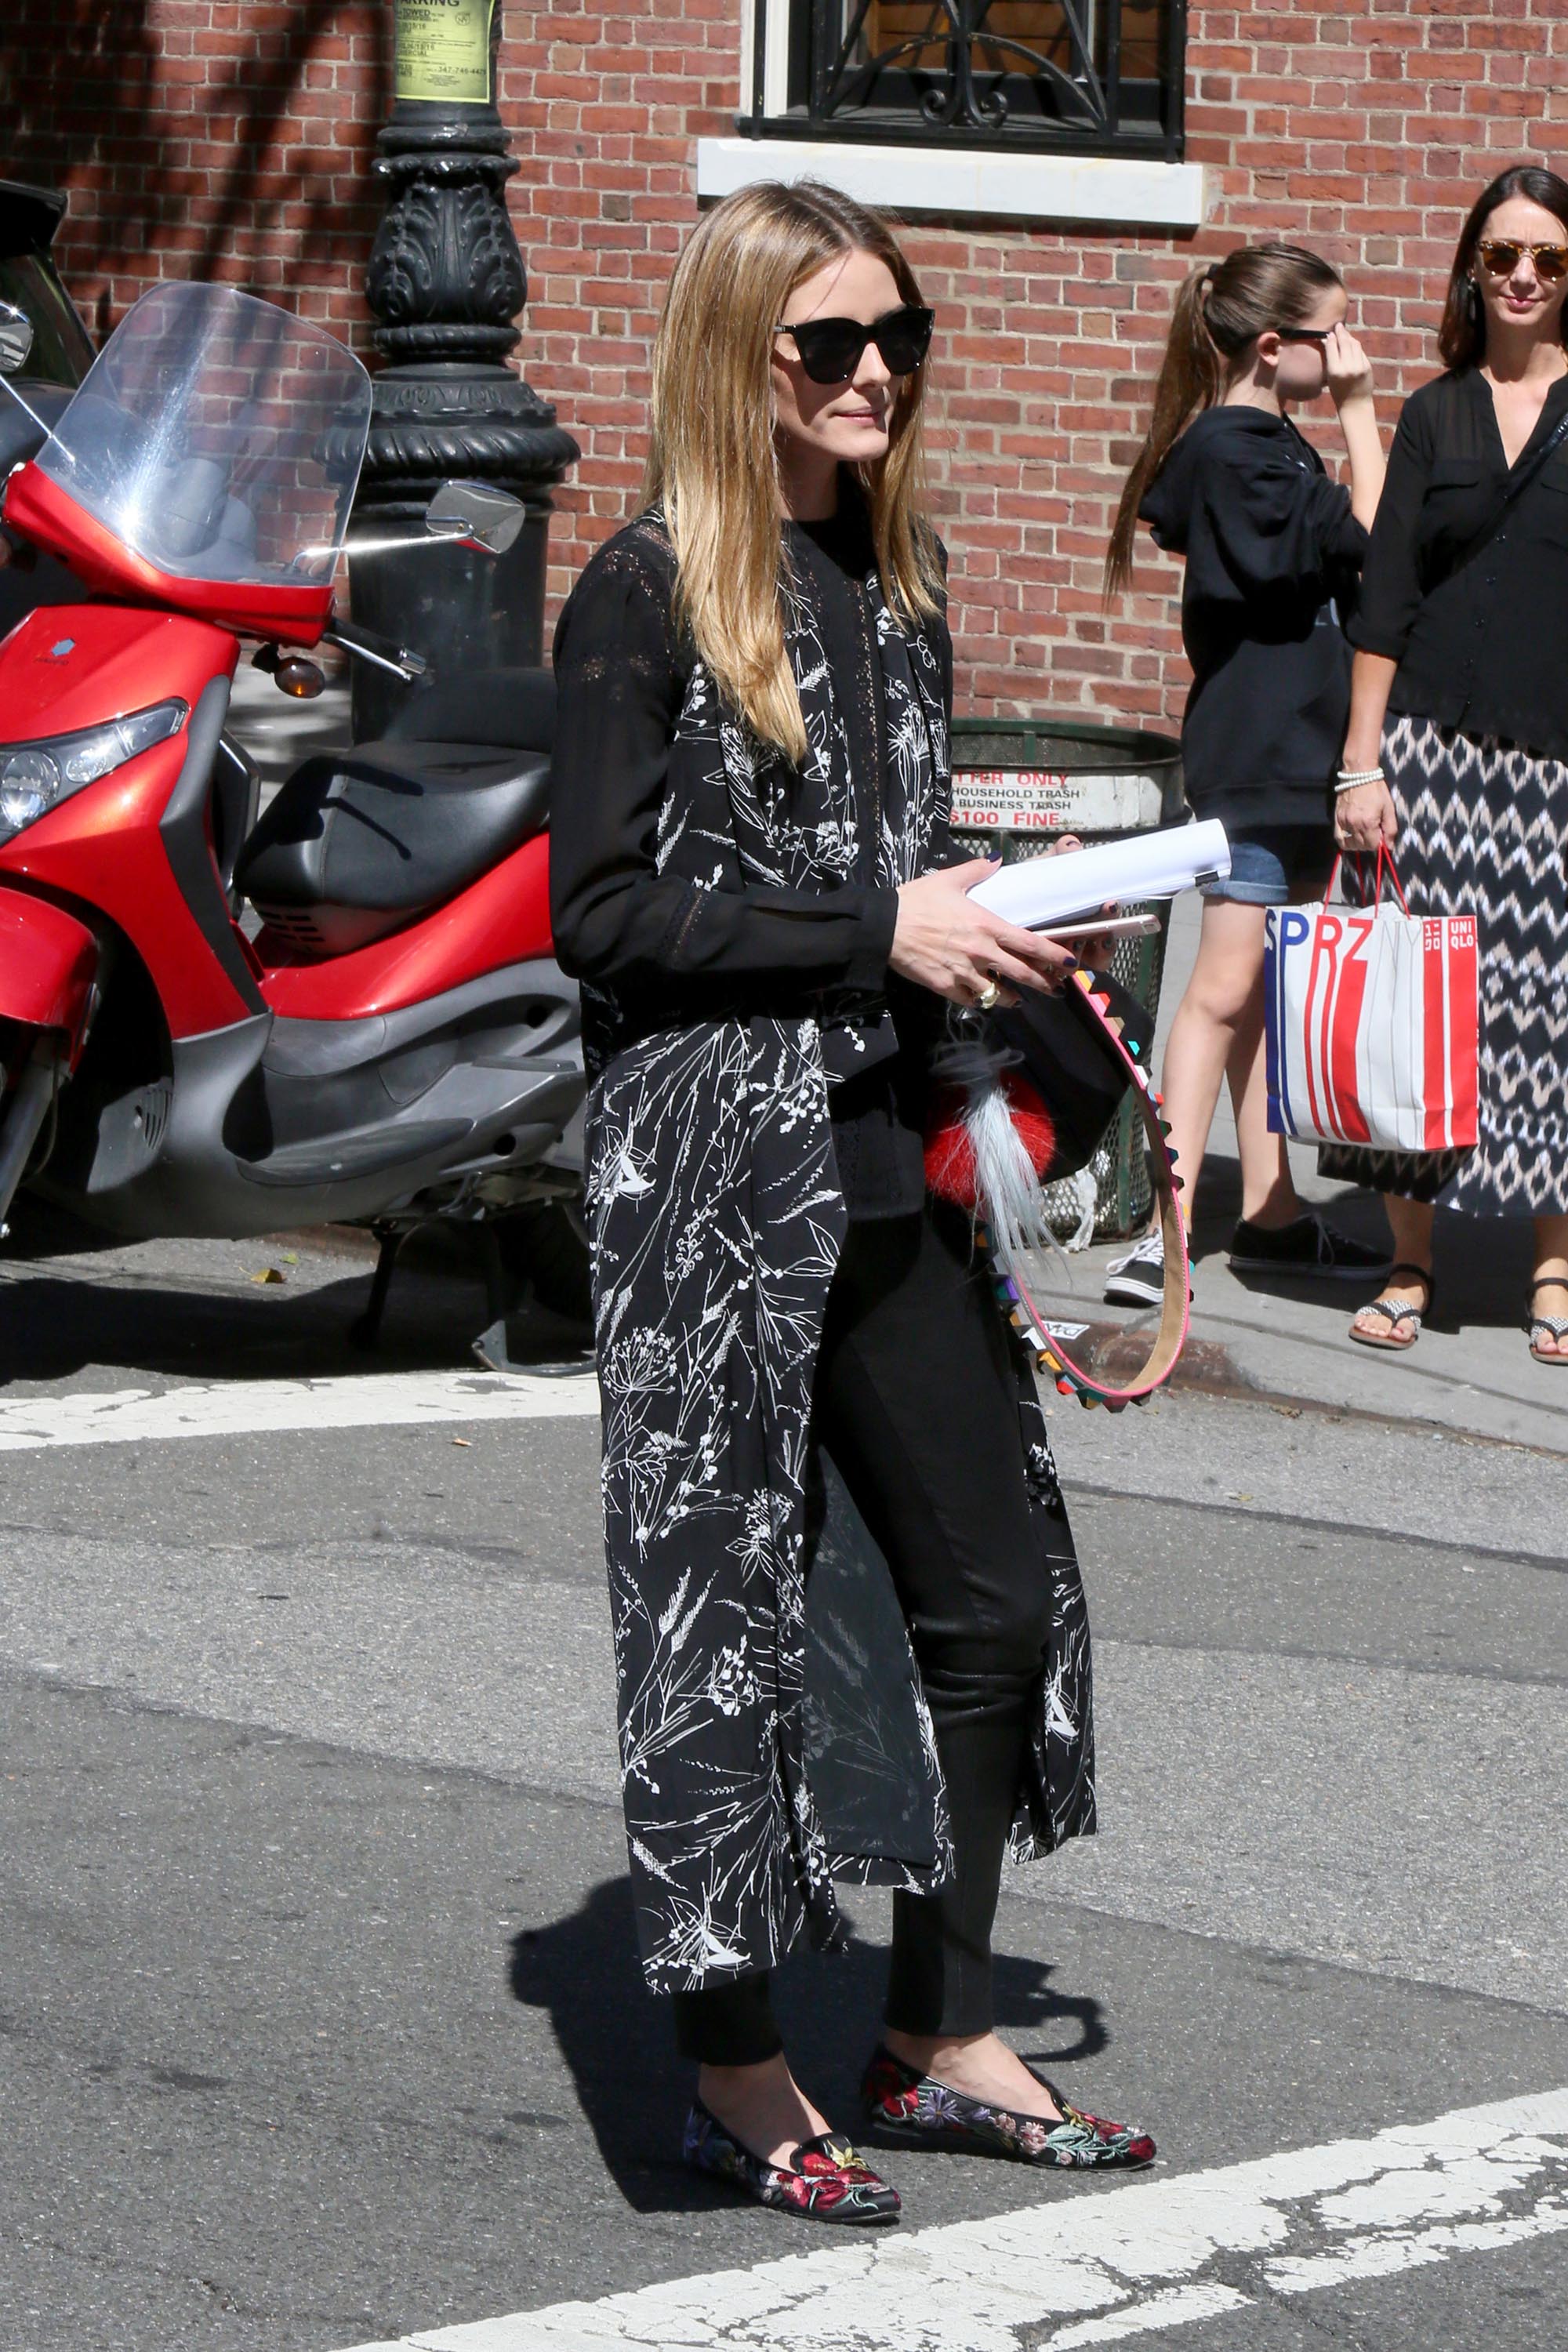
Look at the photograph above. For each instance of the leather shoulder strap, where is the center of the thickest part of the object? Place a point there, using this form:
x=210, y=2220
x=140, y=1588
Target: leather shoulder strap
x=1517, y=486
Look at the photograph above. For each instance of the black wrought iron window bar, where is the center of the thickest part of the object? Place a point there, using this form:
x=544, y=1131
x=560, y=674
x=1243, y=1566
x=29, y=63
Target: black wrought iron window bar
x=1099, y=77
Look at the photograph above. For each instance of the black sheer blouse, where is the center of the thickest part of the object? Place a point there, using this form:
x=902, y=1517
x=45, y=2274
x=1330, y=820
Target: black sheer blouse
x=1481, y=643
x=682, y=952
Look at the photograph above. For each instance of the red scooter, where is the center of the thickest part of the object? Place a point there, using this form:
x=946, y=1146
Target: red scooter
x=392, y=1040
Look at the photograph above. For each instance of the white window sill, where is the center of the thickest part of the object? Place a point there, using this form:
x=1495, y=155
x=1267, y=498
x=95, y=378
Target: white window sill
x=1117, y=189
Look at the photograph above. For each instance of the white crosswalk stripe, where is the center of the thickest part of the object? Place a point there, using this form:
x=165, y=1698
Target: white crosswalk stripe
x=246, y=1408
x=1110, y=2265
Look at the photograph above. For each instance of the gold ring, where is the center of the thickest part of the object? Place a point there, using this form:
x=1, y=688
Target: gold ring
x=989, y=997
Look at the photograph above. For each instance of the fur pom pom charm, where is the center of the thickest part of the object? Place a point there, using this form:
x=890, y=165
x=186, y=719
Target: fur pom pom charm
x=987, y=1148
x=989, y=1143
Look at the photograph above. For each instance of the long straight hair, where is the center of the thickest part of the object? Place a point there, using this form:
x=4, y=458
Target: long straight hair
x=712, y=466
x=1220, y=312
x=1462, y=337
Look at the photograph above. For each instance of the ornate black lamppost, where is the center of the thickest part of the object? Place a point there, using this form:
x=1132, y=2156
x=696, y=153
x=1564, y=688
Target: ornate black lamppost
x=446, y=283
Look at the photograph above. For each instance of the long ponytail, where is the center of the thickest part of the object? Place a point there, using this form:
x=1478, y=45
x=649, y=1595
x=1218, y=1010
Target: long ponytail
x=1220, y=312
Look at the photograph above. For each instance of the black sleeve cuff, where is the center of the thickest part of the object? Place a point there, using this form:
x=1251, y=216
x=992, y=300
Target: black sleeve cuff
x=1364, y=640
x=868, y=964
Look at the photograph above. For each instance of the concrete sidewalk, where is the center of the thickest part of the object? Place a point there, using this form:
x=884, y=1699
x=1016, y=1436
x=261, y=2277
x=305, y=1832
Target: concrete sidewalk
x=1469, y=1371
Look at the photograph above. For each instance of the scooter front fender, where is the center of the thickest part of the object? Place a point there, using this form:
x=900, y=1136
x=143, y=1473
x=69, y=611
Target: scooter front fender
x=49, y=964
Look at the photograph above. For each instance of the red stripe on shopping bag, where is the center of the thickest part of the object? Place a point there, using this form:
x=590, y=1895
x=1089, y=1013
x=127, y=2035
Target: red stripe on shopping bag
x=1433, y=1104
x=1461, y=962
x=1344, y=1033
x=1321, y=974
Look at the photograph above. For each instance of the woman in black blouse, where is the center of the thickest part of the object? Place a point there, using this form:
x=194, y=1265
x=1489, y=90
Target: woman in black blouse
x=1459, y=732
x=802, y=1363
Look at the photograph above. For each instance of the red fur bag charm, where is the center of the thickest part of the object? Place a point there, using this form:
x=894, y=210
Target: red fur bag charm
x=988, y=1145
x=951, y=1168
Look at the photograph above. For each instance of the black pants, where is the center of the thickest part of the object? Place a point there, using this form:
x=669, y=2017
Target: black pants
x=917, y=1402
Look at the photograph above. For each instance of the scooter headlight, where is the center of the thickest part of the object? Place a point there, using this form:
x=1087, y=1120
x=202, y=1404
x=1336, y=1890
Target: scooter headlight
x=35, y=776
x=29, y=783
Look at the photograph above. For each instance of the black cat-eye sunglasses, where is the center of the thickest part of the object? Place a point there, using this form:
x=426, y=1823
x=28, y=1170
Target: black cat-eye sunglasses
x=831, y=349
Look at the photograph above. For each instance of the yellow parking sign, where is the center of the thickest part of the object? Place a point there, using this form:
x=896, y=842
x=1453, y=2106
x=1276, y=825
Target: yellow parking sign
x=444, y=50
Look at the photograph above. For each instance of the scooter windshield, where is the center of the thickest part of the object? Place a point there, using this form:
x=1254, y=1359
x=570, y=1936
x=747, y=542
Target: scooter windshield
x=218, y=439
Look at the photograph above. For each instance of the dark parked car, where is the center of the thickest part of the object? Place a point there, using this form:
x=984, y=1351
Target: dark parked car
x=60, y=357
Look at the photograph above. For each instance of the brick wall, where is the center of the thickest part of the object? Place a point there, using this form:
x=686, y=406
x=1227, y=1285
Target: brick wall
x=223, y=139
x=198, y=137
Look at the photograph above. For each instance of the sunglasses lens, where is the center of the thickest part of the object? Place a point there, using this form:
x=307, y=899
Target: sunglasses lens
x=1552, y=262
x=829, y=348
x=1503, y=259
x=904, y=340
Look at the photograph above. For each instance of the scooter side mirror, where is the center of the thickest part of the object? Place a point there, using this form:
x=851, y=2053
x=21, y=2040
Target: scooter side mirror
x=15, y=339
x=475, y=515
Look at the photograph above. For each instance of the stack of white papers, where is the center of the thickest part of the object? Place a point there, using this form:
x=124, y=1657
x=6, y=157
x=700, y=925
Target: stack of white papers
x=1055, y=890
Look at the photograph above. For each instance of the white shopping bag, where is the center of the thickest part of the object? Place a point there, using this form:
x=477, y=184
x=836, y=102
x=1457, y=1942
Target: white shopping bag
x=1373, y=1022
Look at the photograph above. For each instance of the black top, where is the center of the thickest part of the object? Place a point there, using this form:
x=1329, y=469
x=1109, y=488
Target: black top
x=1481, y=643
x=1271, y=542
x=690, y=954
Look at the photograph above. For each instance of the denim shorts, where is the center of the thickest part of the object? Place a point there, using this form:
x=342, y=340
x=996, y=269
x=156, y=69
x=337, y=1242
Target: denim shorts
x=1275, y=865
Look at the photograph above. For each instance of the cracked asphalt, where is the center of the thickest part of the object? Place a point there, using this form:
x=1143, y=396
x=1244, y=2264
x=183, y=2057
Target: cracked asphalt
x=319, y=2018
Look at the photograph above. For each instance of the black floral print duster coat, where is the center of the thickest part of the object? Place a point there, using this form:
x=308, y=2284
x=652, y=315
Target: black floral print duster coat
x=769, y=1744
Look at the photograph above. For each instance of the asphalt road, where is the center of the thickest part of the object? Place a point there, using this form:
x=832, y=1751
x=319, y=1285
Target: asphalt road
x=319, y=2019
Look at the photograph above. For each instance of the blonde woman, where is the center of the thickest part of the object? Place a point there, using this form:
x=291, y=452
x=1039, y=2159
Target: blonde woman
x=802, y=1362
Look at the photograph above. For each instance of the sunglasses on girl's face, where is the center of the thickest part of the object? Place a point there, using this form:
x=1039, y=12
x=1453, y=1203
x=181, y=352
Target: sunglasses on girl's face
x=1500, y=258
x=831, y=349
x=1303, y=334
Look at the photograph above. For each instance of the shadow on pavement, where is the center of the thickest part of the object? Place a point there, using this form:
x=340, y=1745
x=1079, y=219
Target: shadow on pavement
x=634, y=2089
x=60, y=1319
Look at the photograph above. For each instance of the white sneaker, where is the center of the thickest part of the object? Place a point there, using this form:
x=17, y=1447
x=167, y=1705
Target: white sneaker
x=1139, y=1278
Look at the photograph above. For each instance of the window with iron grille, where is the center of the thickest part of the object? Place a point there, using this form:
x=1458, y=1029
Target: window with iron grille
x=1090, y=76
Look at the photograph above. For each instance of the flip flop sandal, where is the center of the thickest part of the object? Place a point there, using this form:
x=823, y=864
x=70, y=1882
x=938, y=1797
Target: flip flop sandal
x=1401, y=1310
x=1556, y=1324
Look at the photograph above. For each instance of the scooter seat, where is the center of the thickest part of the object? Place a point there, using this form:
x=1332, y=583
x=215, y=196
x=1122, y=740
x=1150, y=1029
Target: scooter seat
x=358, y=843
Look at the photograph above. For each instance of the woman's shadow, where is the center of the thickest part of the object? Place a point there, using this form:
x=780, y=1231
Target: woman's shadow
x=633, y=2088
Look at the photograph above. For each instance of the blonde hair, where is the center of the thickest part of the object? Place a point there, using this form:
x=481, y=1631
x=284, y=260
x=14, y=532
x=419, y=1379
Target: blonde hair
x=713, y=467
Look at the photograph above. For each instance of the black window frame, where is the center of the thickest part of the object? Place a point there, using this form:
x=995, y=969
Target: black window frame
x=955, y=107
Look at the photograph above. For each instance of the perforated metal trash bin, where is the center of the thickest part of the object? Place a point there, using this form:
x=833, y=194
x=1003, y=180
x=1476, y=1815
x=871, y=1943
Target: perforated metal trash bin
x=1017, y=784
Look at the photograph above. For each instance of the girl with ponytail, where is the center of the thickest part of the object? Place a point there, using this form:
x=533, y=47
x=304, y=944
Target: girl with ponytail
x=1273, y=551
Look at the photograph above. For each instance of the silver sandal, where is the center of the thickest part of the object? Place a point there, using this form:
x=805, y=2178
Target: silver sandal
x=1401, y=1310
x=1556, y=1324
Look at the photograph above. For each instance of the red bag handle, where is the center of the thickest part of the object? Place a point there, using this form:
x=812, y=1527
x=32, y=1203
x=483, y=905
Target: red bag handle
x=1384, y=857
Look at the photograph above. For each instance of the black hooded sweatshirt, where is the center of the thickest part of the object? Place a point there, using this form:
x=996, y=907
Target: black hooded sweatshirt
x=1270, y=545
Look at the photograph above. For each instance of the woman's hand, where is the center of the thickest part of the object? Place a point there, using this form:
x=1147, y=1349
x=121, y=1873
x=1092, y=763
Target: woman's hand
x=1364, y=817
x=1346, y=367
x=958, y=950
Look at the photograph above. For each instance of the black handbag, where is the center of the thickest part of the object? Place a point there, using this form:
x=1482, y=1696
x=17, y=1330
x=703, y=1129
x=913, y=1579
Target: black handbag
x=1065, y=1063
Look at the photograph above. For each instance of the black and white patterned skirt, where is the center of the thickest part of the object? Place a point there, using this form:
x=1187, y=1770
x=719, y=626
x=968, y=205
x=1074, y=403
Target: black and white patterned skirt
x=1483, y=830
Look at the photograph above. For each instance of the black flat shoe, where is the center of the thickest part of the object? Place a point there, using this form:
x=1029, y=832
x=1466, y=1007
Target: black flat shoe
x=1306, y=1247
x=918, y=2108
x=824, y=2178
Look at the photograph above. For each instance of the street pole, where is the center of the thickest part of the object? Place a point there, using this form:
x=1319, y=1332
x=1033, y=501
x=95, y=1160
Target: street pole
x=445, y=284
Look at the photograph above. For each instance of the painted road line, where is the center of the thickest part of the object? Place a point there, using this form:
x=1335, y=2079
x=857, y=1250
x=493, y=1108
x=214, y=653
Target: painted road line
x=250, y=1408
x=1109, y=2265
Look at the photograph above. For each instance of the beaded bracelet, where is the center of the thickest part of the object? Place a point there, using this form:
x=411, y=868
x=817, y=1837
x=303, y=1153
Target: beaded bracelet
x=1350, y=780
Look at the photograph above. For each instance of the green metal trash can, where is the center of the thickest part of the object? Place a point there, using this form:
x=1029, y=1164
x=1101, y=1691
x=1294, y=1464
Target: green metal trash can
x=1017, y=784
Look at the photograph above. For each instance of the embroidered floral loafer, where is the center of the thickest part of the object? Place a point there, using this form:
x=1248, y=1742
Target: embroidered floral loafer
x=824, y=2178
x=918, y=2108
